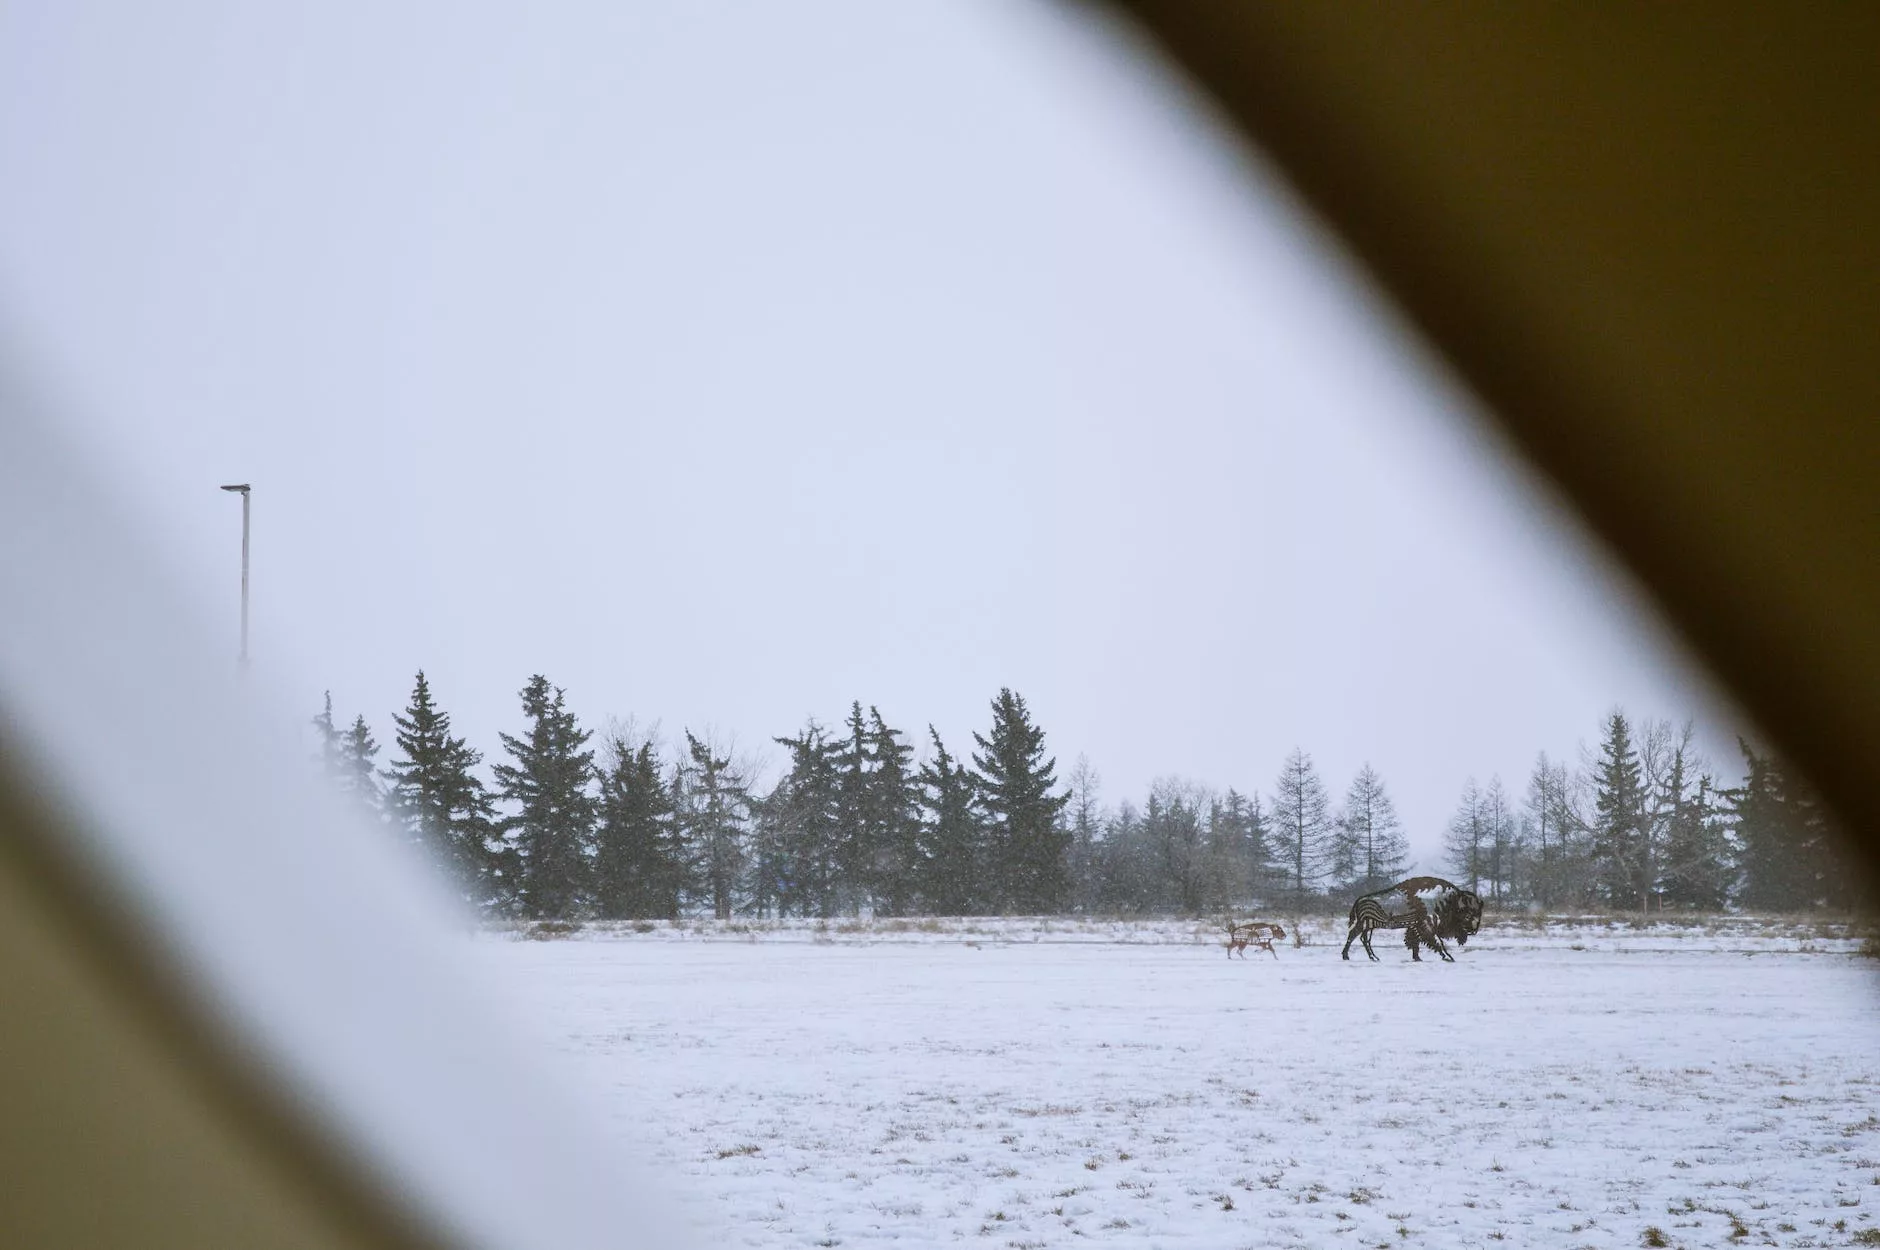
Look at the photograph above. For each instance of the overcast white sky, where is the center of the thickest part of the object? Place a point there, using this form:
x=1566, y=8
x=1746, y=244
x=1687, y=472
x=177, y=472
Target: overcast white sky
x=729, y=362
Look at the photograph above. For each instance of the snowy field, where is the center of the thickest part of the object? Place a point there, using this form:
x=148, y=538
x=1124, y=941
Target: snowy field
x=1049, y=1084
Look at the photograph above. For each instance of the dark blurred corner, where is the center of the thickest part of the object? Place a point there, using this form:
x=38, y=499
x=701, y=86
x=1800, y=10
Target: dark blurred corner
x=1649, y=237
x=1646, y=235
x=121, y=1121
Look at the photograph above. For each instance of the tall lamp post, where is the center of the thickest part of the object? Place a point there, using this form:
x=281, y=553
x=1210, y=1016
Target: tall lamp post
x=241, y=488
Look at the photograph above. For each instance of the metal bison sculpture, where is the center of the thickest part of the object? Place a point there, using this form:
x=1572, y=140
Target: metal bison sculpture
x=1429, y=910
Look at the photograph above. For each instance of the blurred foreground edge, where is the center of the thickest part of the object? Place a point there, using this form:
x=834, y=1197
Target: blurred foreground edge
x=119, y=1125
x=234, y=1014
x=1646, y=236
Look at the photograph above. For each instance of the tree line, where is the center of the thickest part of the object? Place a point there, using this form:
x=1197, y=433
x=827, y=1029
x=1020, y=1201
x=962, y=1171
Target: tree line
x=1642, y=824
x=627, y=828
x=620, y=830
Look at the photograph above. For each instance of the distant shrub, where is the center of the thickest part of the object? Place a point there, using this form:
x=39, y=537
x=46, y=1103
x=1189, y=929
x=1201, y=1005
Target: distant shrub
x=1655, y=1236
x=548, y=930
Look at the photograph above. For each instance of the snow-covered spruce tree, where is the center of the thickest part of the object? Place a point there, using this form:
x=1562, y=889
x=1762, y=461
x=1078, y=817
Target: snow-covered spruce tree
x=1465, y=843
x=358, y=776
x=435, y=797
x=952, y=836
x=1299, y=825
x=799, y=829
x=639, y=857
x=1370, y=834
x=893, y=813
x=1016, y=782
x=548, y=787
x=716, y=814
x=1620, y=847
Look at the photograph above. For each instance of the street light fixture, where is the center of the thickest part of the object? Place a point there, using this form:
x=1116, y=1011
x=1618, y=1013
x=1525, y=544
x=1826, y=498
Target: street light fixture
x=241, y=488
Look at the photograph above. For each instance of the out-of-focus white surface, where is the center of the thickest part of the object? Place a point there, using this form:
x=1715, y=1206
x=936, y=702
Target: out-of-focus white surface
x=326, y=960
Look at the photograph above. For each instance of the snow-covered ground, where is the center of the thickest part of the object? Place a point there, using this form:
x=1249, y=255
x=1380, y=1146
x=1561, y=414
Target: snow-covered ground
x=1048, y=1084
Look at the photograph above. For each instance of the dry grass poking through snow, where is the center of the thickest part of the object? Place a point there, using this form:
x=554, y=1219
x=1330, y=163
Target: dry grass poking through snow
x=1062, y=1083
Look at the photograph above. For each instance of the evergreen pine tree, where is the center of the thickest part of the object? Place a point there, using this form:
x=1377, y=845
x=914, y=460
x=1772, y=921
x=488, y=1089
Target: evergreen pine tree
x=1228, y=880
x=855, y=842
x=346, y=759
x=358, y=775
x=1123, y=867
x=1771, y=877
x=436, y=798
x=639, y=857
x=1016, y=781
x=800, y=828
x=768, y=876
x=327, y=736
x=893, y=810
x=691, y=855
x=1150, y=832
x=551, y=821
x=1225, y=881
x=953, y=836
x=1695, y=867
x=1300, y=824
x=1243, y=824
x=1621, y=847
x=1789, y=852
x=1834, y=881
x=716, y=811
x=1172, y=824
x=1373, y=837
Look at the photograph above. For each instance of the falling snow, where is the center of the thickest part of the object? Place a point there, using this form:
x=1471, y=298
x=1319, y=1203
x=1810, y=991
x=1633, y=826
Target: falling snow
x=1060, y=1083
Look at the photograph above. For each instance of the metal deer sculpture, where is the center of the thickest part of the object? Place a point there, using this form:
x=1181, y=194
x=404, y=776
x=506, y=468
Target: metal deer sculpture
x=1252, y=933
